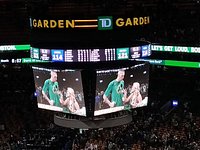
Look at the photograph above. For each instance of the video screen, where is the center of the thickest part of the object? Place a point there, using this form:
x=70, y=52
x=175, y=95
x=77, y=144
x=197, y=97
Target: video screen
x=121, y=89
x=59, y=90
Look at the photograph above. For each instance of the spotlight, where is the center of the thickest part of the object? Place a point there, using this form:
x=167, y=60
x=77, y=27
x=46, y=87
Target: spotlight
x=35, y=94
x=174, y=103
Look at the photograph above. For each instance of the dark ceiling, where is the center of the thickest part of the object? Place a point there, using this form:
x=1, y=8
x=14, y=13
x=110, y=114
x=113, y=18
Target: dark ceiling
x=170, y=18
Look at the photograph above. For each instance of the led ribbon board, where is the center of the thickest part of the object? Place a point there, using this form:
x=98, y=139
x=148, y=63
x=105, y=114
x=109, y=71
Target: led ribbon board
x=90, y=55
x=173, y=63
x=183, y=49
x=14, y=47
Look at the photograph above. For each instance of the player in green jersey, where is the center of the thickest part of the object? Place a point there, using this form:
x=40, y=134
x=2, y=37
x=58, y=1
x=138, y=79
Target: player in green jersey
x=115, y=90
x=51, y=91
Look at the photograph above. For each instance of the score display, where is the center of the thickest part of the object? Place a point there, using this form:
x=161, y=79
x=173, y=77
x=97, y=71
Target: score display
x=90, y=55
x=57, y=55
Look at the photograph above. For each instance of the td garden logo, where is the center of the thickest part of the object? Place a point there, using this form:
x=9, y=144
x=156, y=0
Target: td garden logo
x=102, y=23
x=105, y=23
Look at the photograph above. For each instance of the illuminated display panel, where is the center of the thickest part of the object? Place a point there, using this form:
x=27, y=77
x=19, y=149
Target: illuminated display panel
x=44, y=54
x=59, y=90
x=6, y=48
x=173, y=63
x=90, y=55
x=182, y=49
x=121, y=89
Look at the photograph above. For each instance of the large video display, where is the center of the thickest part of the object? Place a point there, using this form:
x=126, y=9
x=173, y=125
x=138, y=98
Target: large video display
x=59, y=90
x=121, y=89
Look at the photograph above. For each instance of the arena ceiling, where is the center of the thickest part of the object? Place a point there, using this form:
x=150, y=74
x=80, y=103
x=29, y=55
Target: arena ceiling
x=14, y=15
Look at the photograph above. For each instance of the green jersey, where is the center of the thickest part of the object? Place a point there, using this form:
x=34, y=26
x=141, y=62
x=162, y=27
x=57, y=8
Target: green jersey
x=115, y=90
x=52, y=88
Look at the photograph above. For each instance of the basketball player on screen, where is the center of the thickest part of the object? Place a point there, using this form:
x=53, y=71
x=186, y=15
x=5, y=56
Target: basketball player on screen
x=115, y=89
x=51, y=91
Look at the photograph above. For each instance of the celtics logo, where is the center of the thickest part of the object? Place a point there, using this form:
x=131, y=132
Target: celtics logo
x=55, y=88
x=120, y=87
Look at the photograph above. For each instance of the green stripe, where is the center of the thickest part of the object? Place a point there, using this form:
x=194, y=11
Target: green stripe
x=182, y=64
x=32, y=60
x=22, y=47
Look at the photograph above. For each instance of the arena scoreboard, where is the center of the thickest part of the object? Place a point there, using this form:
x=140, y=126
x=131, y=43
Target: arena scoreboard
x=90, y=55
